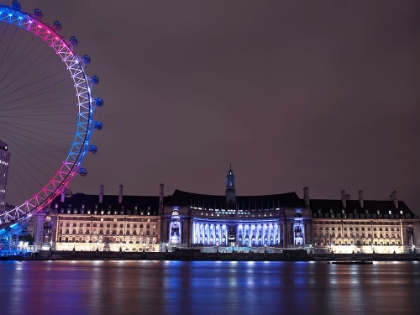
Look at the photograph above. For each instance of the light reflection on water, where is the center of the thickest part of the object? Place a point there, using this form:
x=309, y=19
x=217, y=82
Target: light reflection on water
x=199, y=287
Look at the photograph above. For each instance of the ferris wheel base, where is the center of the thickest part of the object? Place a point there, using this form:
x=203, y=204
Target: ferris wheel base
x=15, y=228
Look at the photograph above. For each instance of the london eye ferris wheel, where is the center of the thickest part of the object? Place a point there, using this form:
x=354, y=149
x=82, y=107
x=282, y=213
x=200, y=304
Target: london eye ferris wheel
x=46, y=113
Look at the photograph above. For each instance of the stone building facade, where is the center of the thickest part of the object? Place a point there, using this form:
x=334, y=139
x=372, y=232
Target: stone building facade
x=228, y=222
x=364, y=226
x=105, y=223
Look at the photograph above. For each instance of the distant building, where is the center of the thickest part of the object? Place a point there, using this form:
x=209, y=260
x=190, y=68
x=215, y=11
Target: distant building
x=278, y=221
x=228, y=223
x=364, y=226
x=4, y=172
x=285, y=221
x=104, y=223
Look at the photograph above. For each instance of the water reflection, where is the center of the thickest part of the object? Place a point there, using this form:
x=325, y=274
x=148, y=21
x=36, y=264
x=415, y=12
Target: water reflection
x=174, y=287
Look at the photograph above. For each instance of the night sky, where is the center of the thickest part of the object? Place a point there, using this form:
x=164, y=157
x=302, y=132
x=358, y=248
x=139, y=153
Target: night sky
x=321, y=94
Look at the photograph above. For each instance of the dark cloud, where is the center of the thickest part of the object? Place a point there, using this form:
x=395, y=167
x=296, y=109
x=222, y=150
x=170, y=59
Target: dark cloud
x=293, y=93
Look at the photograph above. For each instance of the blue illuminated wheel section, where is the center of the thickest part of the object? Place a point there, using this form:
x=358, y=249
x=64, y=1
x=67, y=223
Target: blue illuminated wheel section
x=46, y=113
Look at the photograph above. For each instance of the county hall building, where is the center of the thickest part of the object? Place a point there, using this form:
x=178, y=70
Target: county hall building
x=228, y=222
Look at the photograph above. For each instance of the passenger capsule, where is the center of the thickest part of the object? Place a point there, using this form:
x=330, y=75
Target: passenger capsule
x=86, y=59
x=16, y=5
x=98, y=125
x=38, y=14
x=57, y=26
x=95, y=80
x=83, y=172
x=99, y=102
x=74, y=41
x=93, y=149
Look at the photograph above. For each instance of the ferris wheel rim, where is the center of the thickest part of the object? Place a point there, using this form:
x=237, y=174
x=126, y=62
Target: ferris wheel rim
x=82, y=84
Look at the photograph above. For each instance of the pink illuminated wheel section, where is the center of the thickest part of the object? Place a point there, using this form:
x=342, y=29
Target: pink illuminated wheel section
x=46, y=113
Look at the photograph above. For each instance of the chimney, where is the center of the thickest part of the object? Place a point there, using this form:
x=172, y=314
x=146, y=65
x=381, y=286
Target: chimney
x=394, y=199
x=306, y=196
x=343, y=198
x=362, y=204
x=161, y=198
x=120, y=195
x=347, y=196
x=101, y=193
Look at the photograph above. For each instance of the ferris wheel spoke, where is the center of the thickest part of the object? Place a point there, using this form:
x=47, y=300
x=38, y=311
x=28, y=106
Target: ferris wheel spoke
x=58, y=143
x=25, y=168
x=19, y=59
x=36, y=115
x=34, y=132
x=21, y=180
x=14, y=47
x=31, y=66
x=31, y=95
x=7, y=106
x=8, y=46
x=42, y=91
x=25, y=152
x=33, y=105
x=23, y=138
x=16, y=188
x=22, y=157
x=31, y=83
x=51, y=121
x=35, y=128
x=4, y=32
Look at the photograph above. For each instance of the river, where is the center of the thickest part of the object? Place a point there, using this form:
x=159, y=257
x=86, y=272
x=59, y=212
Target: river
x=204, y=287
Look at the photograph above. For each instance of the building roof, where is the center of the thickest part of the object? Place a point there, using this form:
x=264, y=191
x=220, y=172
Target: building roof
x=354, y=207
x=182, y=198
x=109, y=202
